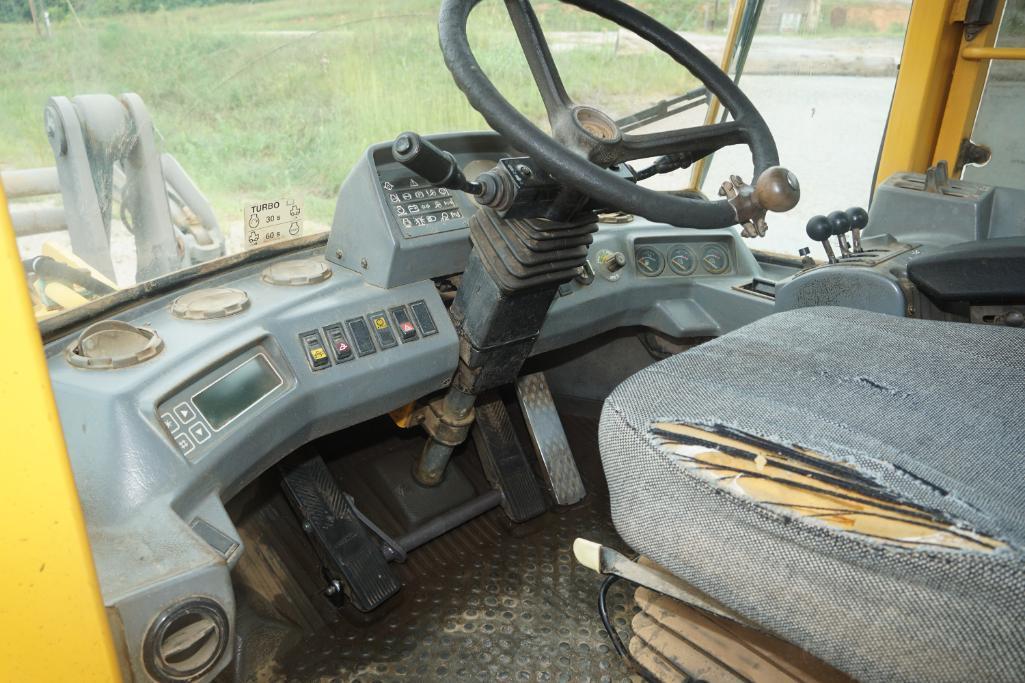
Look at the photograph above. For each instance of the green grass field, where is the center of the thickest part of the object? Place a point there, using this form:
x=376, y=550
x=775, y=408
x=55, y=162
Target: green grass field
x=280, y=98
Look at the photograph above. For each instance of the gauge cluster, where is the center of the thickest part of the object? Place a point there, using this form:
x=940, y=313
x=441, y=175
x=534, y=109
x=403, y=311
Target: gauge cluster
x=683, y=259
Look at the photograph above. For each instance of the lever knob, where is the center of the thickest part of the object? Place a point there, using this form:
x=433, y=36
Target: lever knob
x=839, y=222
x=777, y=189
x=819, y=228
x=428, y=161
x=858, y=217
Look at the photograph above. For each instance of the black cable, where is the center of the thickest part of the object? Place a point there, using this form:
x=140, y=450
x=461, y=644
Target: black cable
x=617, y=642
x=603, y=613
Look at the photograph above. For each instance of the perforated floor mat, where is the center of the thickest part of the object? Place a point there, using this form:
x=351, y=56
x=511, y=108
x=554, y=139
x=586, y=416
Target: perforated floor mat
x=487, y=602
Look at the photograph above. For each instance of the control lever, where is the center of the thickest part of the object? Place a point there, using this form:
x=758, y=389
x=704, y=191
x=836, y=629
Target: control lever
x=859, y=219
x=840, y=224
x=431, y=163
x=820, y=229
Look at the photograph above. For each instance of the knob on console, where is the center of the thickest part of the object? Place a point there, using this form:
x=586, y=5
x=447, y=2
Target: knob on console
x=857, y=216
x=819, y=229
x=840, y=224
x=859, y=219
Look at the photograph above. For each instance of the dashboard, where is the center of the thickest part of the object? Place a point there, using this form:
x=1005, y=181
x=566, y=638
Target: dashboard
x=257, y=360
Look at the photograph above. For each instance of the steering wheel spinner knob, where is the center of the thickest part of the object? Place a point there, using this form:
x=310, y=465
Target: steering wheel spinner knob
x=776, y=189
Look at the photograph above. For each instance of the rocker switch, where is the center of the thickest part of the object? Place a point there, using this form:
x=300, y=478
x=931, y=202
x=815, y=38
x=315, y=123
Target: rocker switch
x=339, y=344
x=316, y=354
x=403, y=323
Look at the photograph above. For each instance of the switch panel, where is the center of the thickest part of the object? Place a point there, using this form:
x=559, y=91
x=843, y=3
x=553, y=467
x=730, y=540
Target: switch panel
x=361, y=338
x=423, y=318
x=338, y=342
x=316, y=352
x=382, y=328
x=405, y=327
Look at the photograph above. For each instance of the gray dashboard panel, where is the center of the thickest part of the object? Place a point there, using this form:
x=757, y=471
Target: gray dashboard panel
x=140, y=494
x=697, y=305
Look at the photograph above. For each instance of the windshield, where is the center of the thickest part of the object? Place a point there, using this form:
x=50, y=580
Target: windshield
x=260, y=109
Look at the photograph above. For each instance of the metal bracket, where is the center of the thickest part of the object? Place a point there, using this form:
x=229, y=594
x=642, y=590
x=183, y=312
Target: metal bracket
x=978, y=15
x=741, y=197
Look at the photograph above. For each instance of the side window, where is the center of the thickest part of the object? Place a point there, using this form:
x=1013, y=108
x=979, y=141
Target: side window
x=822, y=74
x=998, y=124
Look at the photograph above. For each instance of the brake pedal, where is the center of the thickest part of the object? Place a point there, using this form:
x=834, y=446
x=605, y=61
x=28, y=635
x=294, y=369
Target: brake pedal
x=505, y=462
x=347, y=549
x=550, y=443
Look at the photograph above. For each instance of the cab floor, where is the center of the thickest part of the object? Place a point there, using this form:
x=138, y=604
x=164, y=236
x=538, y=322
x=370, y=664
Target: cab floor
x=489, y=601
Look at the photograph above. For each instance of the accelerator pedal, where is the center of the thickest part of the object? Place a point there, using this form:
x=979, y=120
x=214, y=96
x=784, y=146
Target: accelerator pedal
x=505, y=462
x=550, y=442
x=347, y=549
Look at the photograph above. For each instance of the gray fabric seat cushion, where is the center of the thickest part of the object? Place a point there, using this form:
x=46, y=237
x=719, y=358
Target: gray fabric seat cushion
x=931, y=412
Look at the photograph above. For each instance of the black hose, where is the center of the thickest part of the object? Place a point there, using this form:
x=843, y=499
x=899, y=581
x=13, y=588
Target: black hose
x=617, y=642
x=51, y=269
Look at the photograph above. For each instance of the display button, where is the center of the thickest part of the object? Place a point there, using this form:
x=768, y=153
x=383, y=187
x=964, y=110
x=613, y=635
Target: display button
x=170, y=423
x=423, y=317
x=337, y=341
x=405, y=326
x=316, y=352
x=361, y=338
x=185, y=412
x=199, y=432
x=382, y=328
x=185, y=444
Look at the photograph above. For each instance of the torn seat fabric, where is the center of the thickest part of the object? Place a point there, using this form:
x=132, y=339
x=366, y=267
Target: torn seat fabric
x=853, y=482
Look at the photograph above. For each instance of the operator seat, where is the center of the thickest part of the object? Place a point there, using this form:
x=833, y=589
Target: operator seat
x=851, y=481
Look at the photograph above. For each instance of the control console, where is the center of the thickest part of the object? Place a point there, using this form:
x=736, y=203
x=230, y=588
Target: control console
x=394, y=227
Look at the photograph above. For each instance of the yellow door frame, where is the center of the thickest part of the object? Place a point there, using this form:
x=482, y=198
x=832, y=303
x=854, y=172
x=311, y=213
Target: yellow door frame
x=53, y=626
x=939, y=86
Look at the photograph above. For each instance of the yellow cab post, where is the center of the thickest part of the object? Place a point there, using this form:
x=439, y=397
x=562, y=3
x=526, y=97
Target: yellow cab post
x=53, y=626
x=936, y=98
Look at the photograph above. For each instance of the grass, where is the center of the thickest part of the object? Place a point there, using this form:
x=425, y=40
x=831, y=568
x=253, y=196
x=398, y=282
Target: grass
x=253, y=109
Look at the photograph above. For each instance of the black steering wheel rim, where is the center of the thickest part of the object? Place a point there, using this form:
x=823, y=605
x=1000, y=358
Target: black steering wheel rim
x=578, y=171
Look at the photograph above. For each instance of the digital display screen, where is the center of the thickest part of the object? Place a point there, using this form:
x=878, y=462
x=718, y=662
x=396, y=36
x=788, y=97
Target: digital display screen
x=235, y=392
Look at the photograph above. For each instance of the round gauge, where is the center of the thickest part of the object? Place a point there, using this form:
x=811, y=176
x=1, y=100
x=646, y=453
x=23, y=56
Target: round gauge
x=649, y=261
x=682, y=260
x=715, y=259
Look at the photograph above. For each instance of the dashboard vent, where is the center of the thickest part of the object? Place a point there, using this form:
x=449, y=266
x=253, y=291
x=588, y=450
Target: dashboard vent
x=296, y=272
x=210, y=304
x=113, y=344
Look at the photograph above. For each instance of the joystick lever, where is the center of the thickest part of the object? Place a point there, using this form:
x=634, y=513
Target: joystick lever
x=840, y=224
x=859, y=219
x=820, y=229
x=431, y=163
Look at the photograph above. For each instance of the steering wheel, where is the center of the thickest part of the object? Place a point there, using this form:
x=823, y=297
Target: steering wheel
x=585, y=141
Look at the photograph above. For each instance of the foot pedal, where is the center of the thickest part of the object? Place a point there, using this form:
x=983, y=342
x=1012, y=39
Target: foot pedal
x=343, y=543
x=505, y=463
x=550, y=442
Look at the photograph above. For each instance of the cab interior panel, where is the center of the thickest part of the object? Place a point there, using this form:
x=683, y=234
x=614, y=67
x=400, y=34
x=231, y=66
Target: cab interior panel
x=398, y=371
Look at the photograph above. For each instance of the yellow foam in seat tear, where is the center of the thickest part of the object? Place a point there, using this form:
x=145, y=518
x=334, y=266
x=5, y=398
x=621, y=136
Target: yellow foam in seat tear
x=810, y=486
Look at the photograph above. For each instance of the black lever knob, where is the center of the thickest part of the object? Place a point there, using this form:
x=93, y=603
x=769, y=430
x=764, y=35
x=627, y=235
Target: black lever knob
x=431, y=163
x=840, y=224
x=857, y=216
x=819, y=229
x=859, y=219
